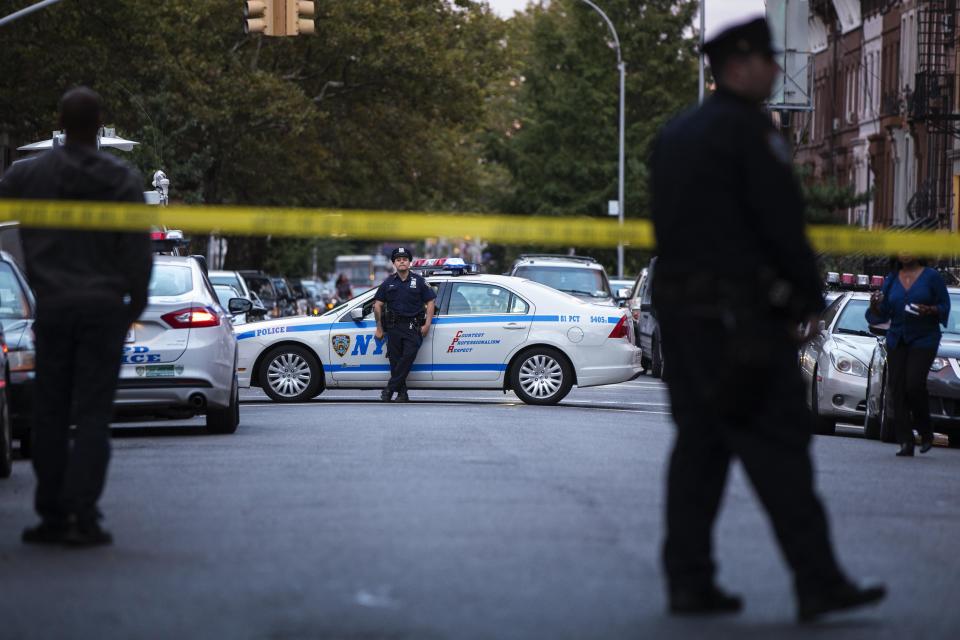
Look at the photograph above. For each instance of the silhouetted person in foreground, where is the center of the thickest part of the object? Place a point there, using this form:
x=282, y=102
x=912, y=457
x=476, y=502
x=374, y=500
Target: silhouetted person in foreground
x=735, y=278
x=90, y=286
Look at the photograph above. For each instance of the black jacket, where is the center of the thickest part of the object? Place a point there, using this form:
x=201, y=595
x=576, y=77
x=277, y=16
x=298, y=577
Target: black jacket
x=728, y=212
x=68, y=267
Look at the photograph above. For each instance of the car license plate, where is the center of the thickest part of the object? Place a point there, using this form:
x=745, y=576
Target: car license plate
x=131, y=335
x=160, y=371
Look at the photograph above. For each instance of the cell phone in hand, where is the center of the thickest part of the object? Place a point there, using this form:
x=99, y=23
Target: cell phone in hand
x=912, y=309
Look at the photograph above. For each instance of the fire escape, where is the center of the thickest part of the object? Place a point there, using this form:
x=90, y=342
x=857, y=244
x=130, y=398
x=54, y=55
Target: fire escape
x=932, y=106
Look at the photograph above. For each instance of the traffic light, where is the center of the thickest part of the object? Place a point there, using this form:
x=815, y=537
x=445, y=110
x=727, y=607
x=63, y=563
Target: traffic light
x=265, y=16
x=300, y=17
x=278, y=17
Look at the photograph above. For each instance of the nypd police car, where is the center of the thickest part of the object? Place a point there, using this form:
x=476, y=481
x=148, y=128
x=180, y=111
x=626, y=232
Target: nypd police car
x=489, y=332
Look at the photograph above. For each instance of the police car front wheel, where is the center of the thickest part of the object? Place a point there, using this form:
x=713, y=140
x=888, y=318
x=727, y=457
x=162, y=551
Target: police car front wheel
x=290, y=374
x=541, y=376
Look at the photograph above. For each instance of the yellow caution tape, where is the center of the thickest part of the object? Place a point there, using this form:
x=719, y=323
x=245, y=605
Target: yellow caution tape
x=578, y=231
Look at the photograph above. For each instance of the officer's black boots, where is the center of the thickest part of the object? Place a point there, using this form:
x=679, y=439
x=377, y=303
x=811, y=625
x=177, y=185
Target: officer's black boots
x=47, y=532
x=402, y=396
x=705, y=601
x=76, y=533
x=386, y=396
x=844, y=595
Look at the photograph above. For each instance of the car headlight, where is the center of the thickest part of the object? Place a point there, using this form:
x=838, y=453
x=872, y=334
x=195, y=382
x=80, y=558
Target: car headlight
x=21, y=360
x=846, y=363
x=938, y=364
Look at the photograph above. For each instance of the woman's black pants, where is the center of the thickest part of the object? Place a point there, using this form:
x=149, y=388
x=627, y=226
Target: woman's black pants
x=907, y=369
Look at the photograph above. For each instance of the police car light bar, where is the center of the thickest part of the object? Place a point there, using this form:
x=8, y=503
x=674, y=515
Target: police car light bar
x=849, y=281
x=443, y=266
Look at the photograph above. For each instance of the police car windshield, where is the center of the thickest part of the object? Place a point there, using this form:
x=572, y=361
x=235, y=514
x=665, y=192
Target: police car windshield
x=853, y=319
x=573, y=280
x=224, y=293
x=13, y=303
x=170, y=280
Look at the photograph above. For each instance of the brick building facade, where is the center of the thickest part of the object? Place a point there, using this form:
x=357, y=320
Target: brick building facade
x=884, y=117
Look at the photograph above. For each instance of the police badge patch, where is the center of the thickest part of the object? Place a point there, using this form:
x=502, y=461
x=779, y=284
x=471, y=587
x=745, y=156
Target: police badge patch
x=341, y=344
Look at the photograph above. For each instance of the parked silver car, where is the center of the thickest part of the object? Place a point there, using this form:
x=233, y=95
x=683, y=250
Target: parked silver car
x=180, y=355
x=835, y=363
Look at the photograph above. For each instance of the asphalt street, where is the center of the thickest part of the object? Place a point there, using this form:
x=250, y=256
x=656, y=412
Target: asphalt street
x=459, y=515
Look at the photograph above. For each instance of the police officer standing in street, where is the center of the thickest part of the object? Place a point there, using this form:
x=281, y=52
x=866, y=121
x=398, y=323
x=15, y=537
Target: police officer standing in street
x=90, y=286
x=735, y=277
x=404, y=310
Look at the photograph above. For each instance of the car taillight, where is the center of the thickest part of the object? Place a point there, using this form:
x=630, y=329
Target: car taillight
x=620, y=331
x=192, y=318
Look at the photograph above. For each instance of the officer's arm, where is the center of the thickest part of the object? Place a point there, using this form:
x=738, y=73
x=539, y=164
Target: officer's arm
x=378, y=314
x=431, y=307
x=777, y=209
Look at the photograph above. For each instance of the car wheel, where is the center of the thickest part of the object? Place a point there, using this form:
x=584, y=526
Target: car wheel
x=887, y=432
x=290, y=374
x=822, y=425
x=656, y=366
x=226, y=419
x=541, y=376
x=6, y=439
x=871, y=421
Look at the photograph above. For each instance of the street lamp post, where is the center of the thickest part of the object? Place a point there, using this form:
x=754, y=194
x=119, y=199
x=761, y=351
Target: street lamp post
x=622, y=68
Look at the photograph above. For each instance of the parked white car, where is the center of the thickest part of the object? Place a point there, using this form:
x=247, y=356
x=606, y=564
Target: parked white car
x=489, y=332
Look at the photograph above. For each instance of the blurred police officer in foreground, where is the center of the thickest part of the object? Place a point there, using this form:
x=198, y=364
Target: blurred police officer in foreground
x=90, y=286
x=404, y=307
x=735, y=278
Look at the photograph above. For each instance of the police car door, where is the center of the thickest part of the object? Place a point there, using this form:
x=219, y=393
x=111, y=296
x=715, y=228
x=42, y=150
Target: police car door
x=357, y=356
x=482, y=325
x=355, y=353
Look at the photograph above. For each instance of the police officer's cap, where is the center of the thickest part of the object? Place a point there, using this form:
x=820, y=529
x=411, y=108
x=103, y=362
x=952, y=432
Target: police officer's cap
x=742, y=39
x=401, y=252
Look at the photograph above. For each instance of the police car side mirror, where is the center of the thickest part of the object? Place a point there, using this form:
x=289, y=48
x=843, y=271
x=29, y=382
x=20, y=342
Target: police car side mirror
x=623, y=294
x=356, y=314
x=239, y=305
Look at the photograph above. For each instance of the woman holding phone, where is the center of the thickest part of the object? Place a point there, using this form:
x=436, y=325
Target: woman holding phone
x=914, y=300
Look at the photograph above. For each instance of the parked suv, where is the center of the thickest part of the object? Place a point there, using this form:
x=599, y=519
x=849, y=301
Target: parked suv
x=579, y=276
x=648, y=331
x=260, y=284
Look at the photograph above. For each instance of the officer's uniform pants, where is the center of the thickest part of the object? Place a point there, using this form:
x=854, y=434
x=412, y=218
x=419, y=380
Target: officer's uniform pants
x=907, y=370
x=403, y=343
x=754, y=412
x=78, y=353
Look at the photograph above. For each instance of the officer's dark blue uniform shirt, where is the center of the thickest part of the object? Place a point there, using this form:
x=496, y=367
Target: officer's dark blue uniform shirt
x=405, y=298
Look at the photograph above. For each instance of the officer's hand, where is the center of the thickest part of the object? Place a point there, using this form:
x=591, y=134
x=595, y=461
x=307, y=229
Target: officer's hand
x=928, y=309
x=424, y=330
x=378, y=334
